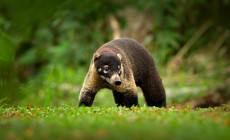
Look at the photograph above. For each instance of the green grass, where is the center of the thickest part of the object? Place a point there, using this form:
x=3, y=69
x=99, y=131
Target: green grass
x=69, y=122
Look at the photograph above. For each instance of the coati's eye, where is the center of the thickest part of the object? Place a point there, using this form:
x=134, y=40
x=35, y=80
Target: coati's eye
x=106, y=69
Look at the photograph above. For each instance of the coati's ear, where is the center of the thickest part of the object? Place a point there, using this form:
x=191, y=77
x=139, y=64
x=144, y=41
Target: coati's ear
x=119, y=56
x=96, y=56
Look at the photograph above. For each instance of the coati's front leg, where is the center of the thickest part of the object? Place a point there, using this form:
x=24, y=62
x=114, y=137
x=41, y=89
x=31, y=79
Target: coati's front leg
x=90, y=88
x=128, y=98
x=86, y=97
x=118, y=98
x=126, y=93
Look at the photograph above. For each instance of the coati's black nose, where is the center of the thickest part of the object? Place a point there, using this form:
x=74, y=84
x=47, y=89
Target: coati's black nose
x=117, y=82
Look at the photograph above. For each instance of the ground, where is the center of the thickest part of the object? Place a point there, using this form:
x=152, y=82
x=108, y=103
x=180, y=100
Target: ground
x=69, y=122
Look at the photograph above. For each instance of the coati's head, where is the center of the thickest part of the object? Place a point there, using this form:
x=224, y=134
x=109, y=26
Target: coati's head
x=108, y=66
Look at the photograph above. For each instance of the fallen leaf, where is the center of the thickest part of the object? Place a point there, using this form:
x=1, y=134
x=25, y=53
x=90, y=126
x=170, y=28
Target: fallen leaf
x=29, y=107
x=175, y=105
x=37, y=108
x=31, y=115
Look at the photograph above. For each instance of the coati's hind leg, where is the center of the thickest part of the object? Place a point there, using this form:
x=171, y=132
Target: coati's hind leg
x=118, y=98
x=154, y=92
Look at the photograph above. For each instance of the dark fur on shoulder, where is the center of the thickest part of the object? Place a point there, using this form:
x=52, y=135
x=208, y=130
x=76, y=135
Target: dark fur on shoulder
x=121, y=65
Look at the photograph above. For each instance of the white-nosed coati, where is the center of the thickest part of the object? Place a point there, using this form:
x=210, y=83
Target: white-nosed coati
x=121, y=65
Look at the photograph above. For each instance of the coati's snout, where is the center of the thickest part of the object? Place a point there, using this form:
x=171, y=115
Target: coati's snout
x=118, y=82
x=114, y=80
x=108, y=66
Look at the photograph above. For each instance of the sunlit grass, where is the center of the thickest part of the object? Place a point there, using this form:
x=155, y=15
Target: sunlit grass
x=69, y=122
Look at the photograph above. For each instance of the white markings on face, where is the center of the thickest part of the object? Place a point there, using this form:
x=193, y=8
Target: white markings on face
x=99, y=70
x=106, y=68
x=103, y=77
x=114, y=77
x=118, y=67
x=107, y=79
x=119, y=56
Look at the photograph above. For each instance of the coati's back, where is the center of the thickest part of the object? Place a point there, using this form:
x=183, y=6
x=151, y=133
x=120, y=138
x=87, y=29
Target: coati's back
x=142, y=64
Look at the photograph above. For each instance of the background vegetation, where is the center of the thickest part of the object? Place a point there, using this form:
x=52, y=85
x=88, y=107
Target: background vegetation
x=46, y=47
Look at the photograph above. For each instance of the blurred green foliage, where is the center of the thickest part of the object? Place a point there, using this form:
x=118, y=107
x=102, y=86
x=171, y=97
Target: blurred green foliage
x=46, y=46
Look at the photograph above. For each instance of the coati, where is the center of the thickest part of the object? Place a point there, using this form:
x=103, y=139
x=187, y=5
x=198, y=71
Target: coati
x=121, y=65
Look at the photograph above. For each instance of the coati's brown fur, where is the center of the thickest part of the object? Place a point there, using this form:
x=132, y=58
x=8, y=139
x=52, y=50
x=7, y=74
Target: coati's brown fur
x=137, y=69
